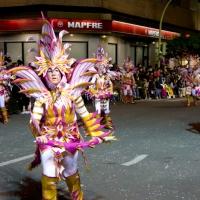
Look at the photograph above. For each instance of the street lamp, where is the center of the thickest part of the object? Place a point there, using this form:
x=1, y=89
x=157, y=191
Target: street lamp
x=160, y=28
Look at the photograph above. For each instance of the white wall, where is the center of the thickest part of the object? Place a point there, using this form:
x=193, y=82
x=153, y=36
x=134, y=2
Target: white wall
x=17, y=37
x=123, y=46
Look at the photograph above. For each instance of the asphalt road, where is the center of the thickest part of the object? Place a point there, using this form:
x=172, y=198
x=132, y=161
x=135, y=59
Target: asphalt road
x=157, y=156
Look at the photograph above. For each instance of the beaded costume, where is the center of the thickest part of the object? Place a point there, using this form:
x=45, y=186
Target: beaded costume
x=4, y=91
x=53, y=116
x=192, y=76
x=127, y=80
x=102, y=90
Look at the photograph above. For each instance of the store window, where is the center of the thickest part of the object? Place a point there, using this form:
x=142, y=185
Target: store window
x=19, y=51
x=112, y=52
x=14, y=50
x=139, y=55
x=29, y=56
x=79, y=50
x=146, y=57
x=132, y=54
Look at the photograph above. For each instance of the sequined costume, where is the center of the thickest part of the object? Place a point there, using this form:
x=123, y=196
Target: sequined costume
x=127, y=80
x=53, y=119
x=4, y=91
x=192, y=77
x=102, y=90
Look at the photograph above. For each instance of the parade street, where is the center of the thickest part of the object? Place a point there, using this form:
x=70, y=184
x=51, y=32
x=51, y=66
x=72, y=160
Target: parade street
x=156, y=157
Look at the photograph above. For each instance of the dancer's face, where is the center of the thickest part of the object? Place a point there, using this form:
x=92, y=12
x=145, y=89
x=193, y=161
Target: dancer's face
x=54, y=76
x=101, y=69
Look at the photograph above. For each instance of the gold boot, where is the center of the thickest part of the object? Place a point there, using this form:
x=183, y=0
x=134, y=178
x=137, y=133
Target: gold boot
x=102, y=121
x=4, y=115
x=195, y=100
x=188, y=100
x=98, y=116
x=74, y=184
x=125, y=99
x=132, y=100
x=109, y=122
x=49, y=188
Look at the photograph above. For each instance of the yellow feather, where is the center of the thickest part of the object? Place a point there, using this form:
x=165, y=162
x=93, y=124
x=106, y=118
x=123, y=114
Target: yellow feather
x=90, y=73
x=21, y=80
x=83, y=85
x=16, y=69
x=29, y=91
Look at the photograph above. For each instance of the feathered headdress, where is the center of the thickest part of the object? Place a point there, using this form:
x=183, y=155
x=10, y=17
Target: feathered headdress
x=51, y=53
x=128, y=65
x=103, y=59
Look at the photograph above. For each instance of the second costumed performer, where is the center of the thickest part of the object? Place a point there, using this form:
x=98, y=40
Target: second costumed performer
x=4, y=90
x=102, y=90
x=53, y=120
x=127, y=80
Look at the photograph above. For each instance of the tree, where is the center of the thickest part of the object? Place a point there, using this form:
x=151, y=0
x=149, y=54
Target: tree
x=181, y=48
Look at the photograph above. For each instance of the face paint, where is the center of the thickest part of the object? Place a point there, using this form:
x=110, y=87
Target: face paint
x=54, y=76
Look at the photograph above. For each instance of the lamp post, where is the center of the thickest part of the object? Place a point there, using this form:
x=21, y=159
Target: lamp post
x=160, y=28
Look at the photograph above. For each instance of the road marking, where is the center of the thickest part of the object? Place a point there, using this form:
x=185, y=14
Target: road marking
x=135, y=160
x=16, y=160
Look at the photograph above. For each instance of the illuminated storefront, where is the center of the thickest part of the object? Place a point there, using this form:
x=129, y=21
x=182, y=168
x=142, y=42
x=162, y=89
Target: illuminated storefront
x=116, y=38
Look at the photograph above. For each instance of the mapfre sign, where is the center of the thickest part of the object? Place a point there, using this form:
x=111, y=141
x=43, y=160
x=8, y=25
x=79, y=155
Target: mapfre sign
x=59, y=24
x=90, y=25
x=133, y=29
x=99, y=26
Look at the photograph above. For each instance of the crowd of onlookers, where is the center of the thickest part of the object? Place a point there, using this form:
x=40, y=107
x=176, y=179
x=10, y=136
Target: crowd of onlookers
x=19, y=102
x=150, y=83
x=158, y=83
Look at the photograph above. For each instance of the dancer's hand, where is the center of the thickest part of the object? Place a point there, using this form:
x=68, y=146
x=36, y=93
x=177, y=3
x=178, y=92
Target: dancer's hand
x=42, y=139
x=99, y=139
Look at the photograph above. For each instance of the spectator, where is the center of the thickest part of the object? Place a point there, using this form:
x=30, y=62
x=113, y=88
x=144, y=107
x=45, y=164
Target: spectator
x=9, y=64
x=144, y=89
x=153, y=90
x=137, y=88
x=20, y=63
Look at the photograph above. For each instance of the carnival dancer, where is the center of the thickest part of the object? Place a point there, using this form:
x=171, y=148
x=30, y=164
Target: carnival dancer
x=53, y=120
x=102, y=90
x=189, y=76
x=127, y=80
x=4, y=90
x=196, y=89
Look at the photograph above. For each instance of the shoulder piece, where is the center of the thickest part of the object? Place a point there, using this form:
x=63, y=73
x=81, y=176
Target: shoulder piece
x=81, y=75
x=29, y=81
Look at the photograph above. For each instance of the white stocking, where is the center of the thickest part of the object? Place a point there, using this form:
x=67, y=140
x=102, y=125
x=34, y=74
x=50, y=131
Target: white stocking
x=48, y=165
x=107, y=110
x=130, y=92
x=98, y=105
x=69, y=164
x=2, y=101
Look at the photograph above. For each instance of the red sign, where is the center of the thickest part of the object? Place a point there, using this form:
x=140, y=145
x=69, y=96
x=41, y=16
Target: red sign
x=84, y=25
x=121, y=27
x=21, y=25
x=60, y=24
x=89, y=25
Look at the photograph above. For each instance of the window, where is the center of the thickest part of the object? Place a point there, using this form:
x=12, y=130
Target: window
x=29, y=57
x=112, y=52
x=79, y=50
x=14, y=50
x=19, y=51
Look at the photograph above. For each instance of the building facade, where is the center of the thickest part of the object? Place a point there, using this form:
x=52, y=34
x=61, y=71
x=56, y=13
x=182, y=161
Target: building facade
x=124, y=28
